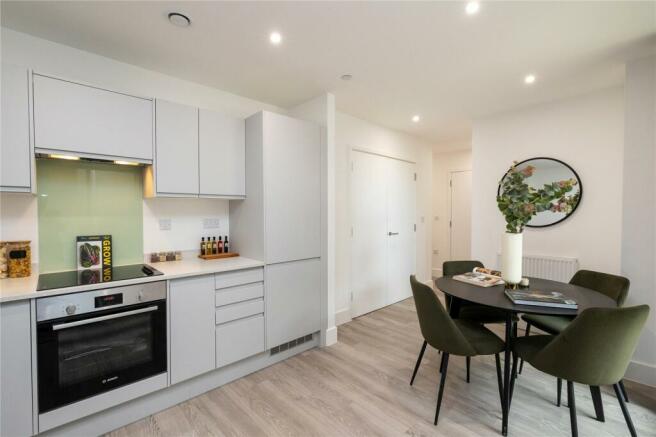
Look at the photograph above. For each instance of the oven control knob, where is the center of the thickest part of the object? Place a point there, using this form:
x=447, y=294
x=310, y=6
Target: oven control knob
x=70, y=310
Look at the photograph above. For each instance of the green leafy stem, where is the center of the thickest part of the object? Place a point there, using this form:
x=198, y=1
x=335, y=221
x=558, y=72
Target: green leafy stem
x=519, y=202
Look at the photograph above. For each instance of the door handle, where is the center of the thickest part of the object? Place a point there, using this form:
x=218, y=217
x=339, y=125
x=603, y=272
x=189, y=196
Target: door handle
x=392, y=233
x=103, y=318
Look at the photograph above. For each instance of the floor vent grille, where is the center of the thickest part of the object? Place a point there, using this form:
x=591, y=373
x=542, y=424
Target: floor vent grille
x=296, y=342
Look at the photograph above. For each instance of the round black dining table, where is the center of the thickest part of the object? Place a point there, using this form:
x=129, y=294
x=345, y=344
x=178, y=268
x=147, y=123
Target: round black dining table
x=495, y=297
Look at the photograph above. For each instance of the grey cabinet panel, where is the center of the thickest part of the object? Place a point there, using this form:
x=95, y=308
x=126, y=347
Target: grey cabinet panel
x=239, y=310
x=227, y=296
x=85, y=119
x=293, y=305
x=176, y=157
x=239, y=339
x=192, y=327
x=222, y=154
x=15, y=369
x=15, y=152
x=292, y=169
x=239, y=277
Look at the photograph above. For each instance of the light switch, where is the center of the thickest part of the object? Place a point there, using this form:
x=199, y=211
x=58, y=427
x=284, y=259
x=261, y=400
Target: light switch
x=211, y=223
x=165, y=224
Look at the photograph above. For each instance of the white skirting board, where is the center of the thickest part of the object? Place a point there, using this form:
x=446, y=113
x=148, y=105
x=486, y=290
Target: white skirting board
x=137, y=409
x=342, y=316
x=644, y=373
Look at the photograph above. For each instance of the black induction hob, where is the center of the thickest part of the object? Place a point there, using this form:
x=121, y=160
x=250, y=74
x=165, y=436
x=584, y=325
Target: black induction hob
x=48, y=281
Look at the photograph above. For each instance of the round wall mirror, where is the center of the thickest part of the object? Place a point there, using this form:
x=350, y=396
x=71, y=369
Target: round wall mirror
x=546, y=171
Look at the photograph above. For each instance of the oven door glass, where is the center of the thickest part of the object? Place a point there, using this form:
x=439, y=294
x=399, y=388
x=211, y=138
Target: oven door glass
x=81, y=356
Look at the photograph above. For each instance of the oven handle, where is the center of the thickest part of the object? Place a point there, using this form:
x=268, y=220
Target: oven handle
x=103, y=318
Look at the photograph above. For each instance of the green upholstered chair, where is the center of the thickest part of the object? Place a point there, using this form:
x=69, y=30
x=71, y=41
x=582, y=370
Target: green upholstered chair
x=469, y=310
x=452, y=337
x=613, y=286
x=594, y=349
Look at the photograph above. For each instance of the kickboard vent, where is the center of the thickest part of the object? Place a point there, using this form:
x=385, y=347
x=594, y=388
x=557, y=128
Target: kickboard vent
x=296, y=342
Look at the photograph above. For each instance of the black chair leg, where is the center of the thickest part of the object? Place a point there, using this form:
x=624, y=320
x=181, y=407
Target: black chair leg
x=559, y=389
x=513, y=376
x=626, y=397
x=521, y=362
x=595, y=391
x=499, y=380
x=572, y=408
x=444, y=365
x=625, y=410
x=421, y=355
x=468, y=359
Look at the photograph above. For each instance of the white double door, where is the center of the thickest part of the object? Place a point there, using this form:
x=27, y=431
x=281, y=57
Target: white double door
x=383, y=249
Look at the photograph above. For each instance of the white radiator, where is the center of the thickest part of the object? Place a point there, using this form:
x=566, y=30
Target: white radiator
x=547, y=267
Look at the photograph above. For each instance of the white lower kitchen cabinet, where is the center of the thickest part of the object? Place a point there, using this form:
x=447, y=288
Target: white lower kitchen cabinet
x=193, y=339
x=239, y=339
x=293, y=300
x=15, y=369
x=16, y=160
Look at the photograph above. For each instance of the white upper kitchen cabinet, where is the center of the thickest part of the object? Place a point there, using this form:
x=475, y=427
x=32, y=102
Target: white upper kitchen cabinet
x=176, y=150
x=90, y=121
x=222, y=155
x=16, y=158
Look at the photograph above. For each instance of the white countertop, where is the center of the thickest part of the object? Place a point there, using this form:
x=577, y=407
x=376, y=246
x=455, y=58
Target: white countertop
x=25, y=288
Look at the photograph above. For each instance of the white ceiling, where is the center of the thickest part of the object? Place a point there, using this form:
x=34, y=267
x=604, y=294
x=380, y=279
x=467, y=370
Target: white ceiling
x=406, y=58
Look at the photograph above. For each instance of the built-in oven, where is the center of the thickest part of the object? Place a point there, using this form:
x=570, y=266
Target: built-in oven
x=95, y=341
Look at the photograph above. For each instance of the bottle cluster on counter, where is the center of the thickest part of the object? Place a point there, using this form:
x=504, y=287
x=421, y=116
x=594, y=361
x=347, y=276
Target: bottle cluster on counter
x=213, y=247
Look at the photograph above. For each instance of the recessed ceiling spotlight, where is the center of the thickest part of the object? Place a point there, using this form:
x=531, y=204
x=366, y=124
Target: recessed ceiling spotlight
x=416, y=118
x=179, y=19
x=472, y=8
x=529, y=79
x=346, y=76
x=275, y=38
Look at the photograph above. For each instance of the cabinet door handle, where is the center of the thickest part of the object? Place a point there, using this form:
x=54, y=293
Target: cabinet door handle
x=392, y=233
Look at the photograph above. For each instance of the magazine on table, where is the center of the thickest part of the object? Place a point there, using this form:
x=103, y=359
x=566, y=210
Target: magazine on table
x=552, y=299
x=481, y=277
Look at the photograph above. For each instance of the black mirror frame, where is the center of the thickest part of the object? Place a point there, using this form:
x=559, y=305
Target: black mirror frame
x=576, y=175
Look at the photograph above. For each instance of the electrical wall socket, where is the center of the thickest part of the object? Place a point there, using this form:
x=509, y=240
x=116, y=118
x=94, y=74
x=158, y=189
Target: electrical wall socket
x=211, y=223
x=436, y=252
x=165, y=224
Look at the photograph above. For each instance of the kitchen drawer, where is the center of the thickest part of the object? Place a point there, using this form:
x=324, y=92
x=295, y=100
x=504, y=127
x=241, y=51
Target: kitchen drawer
x=239, y=339
x=239, y=310
x=227, y=296
x=238, y=277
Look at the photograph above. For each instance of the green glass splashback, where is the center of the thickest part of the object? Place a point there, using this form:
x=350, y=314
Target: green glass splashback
x=88, y=198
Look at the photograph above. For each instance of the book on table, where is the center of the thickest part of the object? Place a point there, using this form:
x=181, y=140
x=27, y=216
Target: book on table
x=551, y=299
x=481, y=277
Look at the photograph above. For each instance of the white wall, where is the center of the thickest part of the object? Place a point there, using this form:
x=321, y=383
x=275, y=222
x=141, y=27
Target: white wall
x=443, y=164
x=639, y=206
x=19, y=212
x=587, y=132
x=187, y=218
x=18, y=220
x=350, y=133
x=321, y=110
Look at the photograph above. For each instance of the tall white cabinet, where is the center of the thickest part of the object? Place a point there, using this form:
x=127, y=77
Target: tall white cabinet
x=280, y=221
x=16, y=160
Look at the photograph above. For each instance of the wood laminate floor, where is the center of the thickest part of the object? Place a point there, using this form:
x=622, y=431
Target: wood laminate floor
x=359, y=387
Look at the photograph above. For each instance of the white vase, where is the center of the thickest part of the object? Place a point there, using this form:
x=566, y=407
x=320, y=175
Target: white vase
x=511, y=258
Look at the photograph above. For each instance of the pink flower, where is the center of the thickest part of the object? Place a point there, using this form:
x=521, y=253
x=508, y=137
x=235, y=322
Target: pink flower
x=528, y=171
